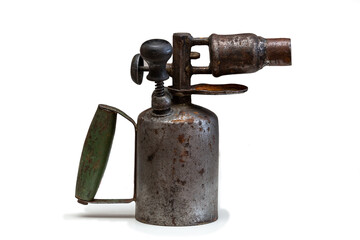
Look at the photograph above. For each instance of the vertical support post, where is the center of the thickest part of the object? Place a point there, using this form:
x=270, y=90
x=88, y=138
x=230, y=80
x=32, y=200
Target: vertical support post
x=182, y=69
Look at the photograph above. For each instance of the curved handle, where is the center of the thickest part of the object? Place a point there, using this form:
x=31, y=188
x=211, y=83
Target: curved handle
x=96, y=153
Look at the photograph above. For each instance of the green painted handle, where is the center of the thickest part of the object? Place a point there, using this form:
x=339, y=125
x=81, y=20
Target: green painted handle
x=96, y=153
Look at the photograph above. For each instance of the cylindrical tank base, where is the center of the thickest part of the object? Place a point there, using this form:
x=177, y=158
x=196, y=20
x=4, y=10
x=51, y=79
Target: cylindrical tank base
x=177, y=167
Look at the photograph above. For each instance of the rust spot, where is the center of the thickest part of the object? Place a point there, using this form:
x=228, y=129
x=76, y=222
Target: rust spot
x=200, y=123
x=208, y=129
x=205, y=117
x=174, y=160
x=217, y=88
x=201, y=129
x=196, y=112
x=151, y=157
x=156, y=131
x=181, y=182
x=201, y=172
x=185, y=153
x=181, y=138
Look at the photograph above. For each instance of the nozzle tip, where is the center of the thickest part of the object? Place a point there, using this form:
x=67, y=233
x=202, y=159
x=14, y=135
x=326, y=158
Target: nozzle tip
x=278, y=51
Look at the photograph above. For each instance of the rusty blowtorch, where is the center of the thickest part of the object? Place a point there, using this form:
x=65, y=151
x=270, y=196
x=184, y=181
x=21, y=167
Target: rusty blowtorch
x=176, y=142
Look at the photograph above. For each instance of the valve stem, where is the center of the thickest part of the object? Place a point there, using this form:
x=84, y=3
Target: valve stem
x=161, y=102
x=159, y=89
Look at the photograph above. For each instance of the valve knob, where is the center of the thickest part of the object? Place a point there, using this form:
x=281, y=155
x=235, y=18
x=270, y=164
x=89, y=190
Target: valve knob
x=136, y=70
x=156, y=53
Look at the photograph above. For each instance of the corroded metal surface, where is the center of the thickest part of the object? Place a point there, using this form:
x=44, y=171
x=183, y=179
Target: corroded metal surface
x=177, y=167
x=278, y=51
x=229, y=54
x=181, y=66
x=210, y=89
x=246, y=53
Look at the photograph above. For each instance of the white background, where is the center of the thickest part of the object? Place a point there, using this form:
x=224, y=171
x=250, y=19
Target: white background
x=289, y=147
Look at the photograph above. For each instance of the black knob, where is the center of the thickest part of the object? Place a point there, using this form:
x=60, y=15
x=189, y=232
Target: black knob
x=136, y=70
x=156, y=53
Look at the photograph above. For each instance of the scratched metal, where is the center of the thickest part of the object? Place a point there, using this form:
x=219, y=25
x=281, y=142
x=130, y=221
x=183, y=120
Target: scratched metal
x=177, y=167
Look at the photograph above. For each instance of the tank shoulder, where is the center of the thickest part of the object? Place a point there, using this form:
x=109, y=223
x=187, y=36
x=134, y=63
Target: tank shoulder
x=181, y=113
x=199, y=109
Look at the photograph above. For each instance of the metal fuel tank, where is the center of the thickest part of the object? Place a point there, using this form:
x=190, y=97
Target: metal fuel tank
x=177, y=166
